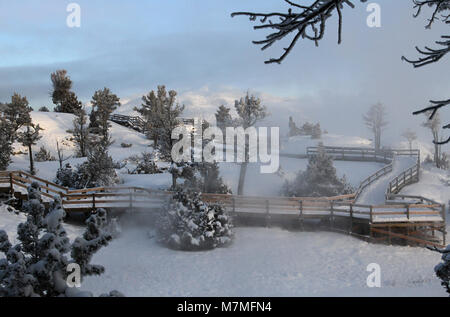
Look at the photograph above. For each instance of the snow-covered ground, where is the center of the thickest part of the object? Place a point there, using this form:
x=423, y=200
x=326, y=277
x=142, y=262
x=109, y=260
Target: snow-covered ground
x=261, y=261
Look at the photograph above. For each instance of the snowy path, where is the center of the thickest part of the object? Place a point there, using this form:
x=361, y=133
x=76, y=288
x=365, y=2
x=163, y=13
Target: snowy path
x=374, y=194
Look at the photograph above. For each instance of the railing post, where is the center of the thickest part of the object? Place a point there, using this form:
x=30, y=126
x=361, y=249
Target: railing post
x=371, y=214
x=301, y=213
x=267, y=214
x=234, y=205
x=11, y=184
x=131, y=202
x=332, y=215
x=93, y=201
x=407, y=211
x=351, y=219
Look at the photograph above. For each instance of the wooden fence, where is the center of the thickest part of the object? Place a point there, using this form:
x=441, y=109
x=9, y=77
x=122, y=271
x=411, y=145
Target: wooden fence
x=135, y=123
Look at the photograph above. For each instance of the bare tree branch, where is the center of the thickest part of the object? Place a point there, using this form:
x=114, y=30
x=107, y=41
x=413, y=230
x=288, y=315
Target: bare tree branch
x=308, y=23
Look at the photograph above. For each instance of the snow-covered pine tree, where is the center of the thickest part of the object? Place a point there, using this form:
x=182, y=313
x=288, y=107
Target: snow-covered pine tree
x=161, y=111
x=319, y=179
x=188, y=223
x=17, y=113
x=223, y=118
x=37, y=265
x=442, y=270
x=93, y=239
x=6, y=133
x=28, y=138
x=98, y=170
x=104, y=102
x=43, y=155
x=81, y=133
x=64, y=99
x=145, y=163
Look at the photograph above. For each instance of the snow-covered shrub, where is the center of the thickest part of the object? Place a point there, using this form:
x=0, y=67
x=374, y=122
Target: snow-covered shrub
x=97, y=171
x=188, y=223
x=43, y=155
x=443, y=269
x=37, y=265
x=145, y=164
x=44, y=109
x=126, y=145
x=65, y=176
x=319, y=179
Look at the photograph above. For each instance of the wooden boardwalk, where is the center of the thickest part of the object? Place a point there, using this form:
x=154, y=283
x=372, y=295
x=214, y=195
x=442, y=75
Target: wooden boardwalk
x=401, y=219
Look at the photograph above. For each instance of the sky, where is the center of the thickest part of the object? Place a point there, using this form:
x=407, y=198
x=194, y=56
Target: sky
x=197, y=49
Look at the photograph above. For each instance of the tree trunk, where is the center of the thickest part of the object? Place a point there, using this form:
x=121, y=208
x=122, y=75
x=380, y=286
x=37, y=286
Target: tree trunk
x=242, y=178
x=174, y=181
x=31, y=160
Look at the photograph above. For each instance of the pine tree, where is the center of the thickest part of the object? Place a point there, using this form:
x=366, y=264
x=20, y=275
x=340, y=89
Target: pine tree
x=81, y=133
x=6, y=132
x=223, y=118
x=37, y=265
x=17, y=113
x=28, y=138
x=92, y=240
x=188, y=223
x=98, y=170
x=64, y=99
x=161, y=112
x=319, y=179
x=104, y=102
x=250, y=111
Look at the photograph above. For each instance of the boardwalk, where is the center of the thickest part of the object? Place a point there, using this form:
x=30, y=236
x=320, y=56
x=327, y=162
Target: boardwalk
x=398, y=218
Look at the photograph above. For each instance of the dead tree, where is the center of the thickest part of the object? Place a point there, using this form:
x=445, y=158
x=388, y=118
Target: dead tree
x=309, y=21
x=375, y=121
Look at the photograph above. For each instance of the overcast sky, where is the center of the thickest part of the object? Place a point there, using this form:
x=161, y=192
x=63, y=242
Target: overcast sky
x=196, y=48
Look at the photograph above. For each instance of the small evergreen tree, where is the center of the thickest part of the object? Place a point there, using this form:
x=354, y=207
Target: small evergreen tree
x=161, y=111
x=81, y=133
x=104, y=102
x=442, y=270
x=98, y=170
x=319, y=179
x=6, y=133
x=188, y=223
x=28, y=138
x=64, y=99
x=43, y=155
x=37, y=265
x=44, y=109
x=17, y=113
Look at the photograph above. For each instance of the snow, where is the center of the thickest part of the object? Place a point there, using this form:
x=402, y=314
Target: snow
x=264, y=262
x=260, y=261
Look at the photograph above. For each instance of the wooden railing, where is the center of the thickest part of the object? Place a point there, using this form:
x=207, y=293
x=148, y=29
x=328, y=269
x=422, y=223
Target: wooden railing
x=135, y=123
x=409, y=176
